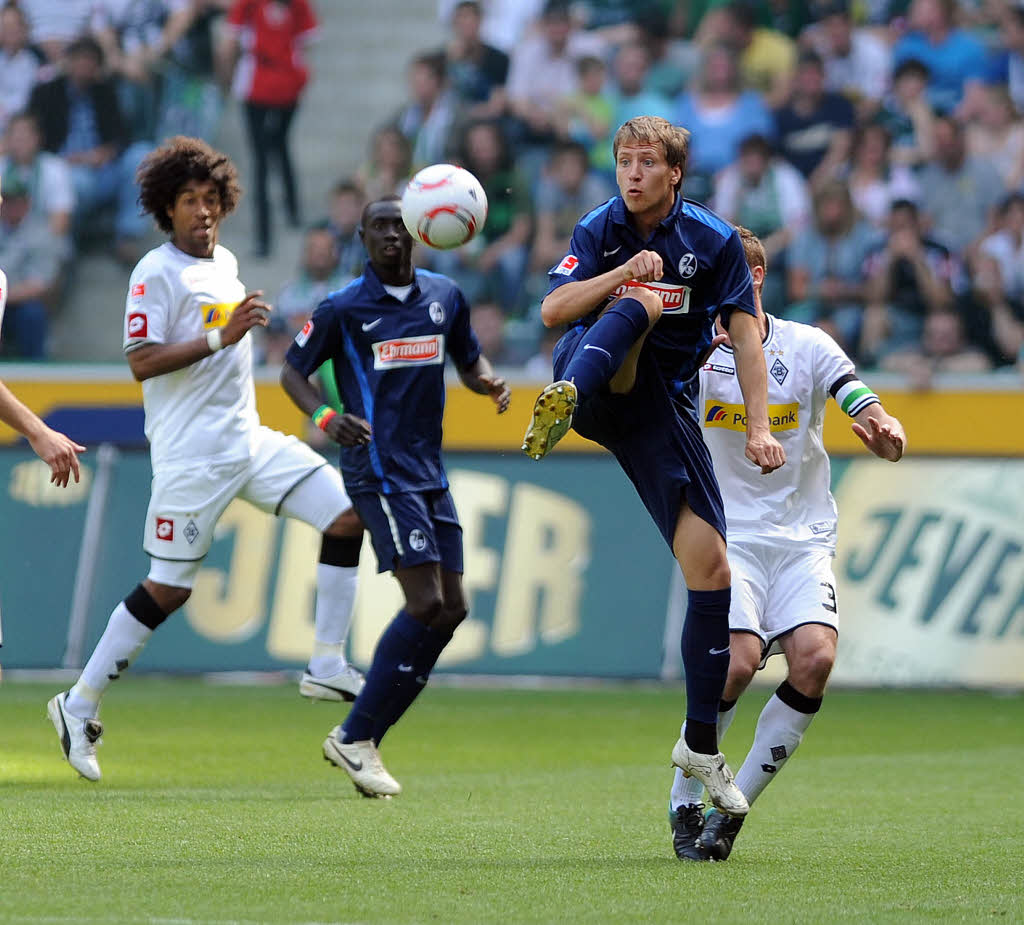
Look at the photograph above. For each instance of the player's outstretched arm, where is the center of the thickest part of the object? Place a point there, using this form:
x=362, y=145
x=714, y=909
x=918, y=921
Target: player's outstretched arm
x=762, y=448
x=346, y=429
x=572, y=301
x=157, y=359
x=880, y=432
x=59, y=452
x=480, y=378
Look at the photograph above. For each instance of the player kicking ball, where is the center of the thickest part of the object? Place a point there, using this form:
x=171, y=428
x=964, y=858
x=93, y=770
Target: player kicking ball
x=388, y=334
x=186, y=320
x=646, y=275
x=782, y=538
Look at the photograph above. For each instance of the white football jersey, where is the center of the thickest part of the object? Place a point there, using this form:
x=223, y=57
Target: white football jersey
x=794, y=503
x=206, y=411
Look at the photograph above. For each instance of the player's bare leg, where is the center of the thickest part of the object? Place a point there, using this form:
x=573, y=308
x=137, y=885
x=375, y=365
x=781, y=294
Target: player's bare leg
x=810, y=652
x=700, y=551
x=555, y=406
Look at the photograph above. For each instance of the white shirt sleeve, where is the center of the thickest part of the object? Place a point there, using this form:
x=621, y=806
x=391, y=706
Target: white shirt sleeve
x=830, y=363
x=147, y=308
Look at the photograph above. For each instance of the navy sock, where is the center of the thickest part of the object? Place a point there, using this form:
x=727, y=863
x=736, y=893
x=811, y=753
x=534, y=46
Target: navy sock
x=705, y=648
x=395, y=650
x=412, y=682
x=605, y=345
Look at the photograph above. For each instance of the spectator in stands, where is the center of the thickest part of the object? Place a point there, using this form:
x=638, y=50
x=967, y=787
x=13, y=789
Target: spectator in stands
x=319, y=274
x=769, y=196
x=943, y=348
x=816, y=125
x=588, y=115
x=19, y=65
x=874, y=183
x=958, y=191
x=767, y=56
x=543, y=70
x=825, y=267
x=538, y=367
x=857, y=62
x=263, y=48
x=54, y=24
x=32, y=266
x=494, y=264
x=908, y=116
x=719, y=115
x=488, y=323
x=999, y=281
x=80, y=119
x=953, y=56
x=1006, y=61
x=505, y=22
x=477, y=71
x=673, y=58
x=628, y=93
x=909, y=277
x=568, y=188
x=46, y=176
x=343, y=222
x=996, y=134
x=389, y=167
x=427, y=119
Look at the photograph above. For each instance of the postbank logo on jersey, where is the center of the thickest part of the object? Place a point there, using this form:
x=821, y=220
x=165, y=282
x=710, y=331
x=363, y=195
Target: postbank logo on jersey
x=427, y=350
x=216, y=314
x=674, y=296
x=734, y=417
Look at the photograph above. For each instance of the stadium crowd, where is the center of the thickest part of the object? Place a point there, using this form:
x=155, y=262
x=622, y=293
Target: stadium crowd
x=876, y=147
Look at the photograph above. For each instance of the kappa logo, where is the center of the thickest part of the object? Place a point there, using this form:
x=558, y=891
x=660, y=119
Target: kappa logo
x=734, y=417
x=138, y=290
x=302, y=338
x=568, y=264
x=138, y=325
x=165, y=529
x=779, y=371
x=418, y=540
x=687, y=265
x=427, y=350
x=436, y=312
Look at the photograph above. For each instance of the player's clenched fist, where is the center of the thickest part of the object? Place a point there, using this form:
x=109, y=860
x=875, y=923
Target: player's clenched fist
x=349, y=430
x=765, y=451
x=645, y=267
x=249, y=313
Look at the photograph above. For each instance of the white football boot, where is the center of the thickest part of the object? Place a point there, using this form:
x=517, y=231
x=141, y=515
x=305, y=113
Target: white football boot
x=345, y=685
x=714, y=773
x=362, y=762
x=78, y=737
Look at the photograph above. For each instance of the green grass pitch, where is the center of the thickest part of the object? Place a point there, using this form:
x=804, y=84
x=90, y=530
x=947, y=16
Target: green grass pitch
x=519, y=806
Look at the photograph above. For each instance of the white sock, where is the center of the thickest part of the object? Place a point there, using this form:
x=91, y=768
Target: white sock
x=120, y=643
x=335, y=600
x=779, y=731
x=689, y=790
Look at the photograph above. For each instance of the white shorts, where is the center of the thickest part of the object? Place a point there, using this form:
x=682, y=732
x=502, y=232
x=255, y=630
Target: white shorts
x=776, y=589
x=283, y=476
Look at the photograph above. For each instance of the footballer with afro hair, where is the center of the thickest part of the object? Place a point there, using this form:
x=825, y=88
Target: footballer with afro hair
x=180, y=159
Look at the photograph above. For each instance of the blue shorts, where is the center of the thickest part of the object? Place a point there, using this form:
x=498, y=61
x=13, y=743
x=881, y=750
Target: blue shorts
x=411, y=528
x=656, y=439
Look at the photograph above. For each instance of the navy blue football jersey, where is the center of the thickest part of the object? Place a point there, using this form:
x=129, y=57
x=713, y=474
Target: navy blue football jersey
x=389, y=361
x=705, y=274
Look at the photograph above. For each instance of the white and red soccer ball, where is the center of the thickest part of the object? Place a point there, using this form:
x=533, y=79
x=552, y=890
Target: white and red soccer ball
x=444, y=206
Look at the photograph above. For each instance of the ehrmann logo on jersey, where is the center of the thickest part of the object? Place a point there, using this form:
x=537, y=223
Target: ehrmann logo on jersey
x=734, y=417
x=427, y=350
x=674, y=296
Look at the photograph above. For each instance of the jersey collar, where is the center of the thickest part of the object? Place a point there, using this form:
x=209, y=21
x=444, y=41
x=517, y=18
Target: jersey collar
x=619, y=213
x=376, y=288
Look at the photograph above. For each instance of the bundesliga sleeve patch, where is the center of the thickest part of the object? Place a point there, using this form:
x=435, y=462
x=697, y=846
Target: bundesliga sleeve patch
x=138, y=290
x=138, y=325
x=568, y=264
x=302, y=338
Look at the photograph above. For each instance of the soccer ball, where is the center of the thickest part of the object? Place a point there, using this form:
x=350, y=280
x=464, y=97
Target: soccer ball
x=444, y=206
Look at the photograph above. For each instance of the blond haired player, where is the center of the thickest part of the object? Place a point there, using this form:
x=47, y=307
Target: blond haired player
x=186, y=320
x=782, y=536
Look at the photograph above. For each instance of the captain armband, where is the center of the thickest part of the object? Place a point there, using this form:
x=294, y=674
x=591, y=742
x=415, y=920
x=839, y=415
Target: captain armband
x=852, y=395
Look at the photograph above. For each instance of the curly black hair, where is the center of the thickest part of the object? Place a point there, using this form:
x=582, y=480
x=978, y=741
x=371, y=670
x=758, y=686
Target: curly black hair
x=164, y=171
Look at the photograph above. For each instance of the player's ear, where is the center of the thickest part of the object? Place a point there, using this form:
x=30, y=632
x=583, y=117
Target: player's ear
x=757, y=273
